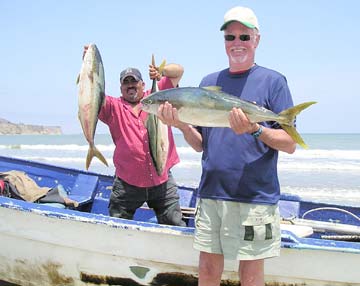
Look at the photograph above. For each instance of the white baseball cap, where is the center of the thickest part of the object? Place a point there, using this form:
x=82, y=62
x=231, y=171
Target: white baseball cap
x=243, y=15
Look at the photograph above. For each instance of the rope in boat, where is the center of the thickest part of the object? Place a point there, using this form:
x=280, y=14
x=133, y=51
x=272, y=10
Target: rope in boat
x=332, y=209
x=353, y=238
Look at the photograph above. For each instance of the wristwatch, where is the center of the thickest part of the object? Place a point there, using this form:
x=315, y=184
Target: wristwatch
x=257, y=133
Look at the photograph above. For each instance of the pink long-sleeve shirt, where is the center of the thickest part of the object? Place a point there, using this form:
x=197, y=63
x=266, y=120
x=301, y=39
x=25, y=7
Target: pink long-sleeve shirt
x=132, y=158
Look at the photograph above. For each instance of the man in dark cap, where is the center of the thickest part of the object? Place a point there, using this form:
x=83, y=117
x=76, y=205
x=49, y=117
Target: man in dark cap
x=136, y=179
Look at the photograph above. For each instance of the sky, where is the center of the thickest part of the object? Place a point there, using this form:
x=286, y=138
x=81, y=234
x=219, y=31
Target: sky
x=314, y=43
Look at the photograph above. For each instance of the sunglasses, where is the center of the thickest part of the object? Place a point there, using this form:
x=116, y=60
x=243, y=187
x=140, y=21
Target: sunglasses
x=129, y=80
x=242, y=38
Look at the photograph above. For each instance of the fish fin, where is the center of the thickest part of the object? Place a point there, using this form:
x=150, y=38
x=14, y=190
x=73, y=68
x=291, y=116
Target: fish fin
x=93, y=151
x=212, y=88
x=290, y=113
x=78, y=79
x=288, y=117
x=291, y=130
x=162, y=66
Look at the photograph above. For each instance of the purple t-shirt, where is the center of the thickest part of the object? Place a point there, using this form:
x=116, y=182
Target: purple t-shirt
x=240, y=167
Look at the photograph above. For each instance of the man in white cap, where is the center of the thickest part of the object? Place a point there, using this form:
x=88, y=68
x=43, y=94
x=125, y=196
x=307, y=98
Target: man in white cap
x=238, y=216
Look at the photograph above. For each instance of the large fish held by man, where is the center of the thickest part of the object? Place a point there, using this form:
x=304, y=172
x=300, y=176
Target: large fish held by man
x=91, y=94
x=210, y=107
x=158, y=133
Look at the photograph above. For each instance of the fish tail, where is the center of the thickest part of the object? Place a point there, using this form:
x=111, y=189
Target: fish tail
x=160, y=68
x=94, y=152
x=288, y=116
x=291, y=130
x=290, y=113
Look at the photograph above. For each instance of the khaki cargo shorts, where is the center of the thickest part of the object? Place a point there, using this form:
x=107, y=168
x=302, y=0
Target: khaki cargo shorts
x=239, y=231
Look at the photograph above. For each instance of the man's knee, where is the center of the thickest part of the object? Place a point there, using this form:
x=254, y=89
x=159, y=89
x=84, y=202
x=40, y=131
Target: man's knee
x=211, y=266
x=171, y=216
x=116, y=211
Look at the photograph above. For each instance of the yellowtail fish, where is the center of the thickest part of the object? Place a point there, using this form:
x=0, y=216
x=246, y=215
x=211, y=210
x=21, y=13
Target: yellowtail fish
x=91, y=95
x=210, y=107
x=158, y=133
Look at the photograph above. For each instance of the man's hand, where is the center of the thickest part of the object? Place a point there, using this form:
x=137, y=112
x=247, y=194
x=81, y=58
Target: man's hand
x=239, y=122
x=169, y=116
x=154, y=73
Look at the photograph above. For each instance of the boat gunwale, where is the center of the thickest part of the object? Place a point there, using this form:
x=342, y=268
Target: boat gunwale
x=289, y=240
x=86, y=217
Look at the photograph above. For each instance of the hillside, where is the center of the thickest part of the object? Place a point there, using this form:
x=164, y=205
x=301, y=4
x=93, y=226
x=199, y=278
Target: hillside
x=9, y=128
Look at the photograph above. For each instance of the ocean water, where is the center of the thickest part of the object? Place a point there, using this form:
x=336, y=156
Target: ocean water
x=328, y=171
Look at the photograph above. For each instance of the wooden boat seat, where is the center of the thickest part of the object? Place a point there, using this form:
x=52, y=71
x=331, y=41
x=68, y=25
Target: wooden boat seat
x=84, y=188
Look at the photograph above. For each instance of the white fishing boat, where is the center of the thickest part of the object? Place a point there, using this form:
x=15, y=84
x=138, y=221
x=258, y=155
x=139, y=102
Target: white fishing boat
x=43, y=244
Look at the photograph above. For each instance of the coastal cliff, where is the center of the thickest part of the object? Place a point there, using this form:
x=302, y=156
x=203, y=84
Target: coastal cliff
x=9, y=128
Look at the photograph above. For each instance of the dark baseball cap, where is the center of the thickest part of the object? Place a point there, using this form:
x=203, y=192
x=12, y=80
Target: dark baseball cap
x=135, y=73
